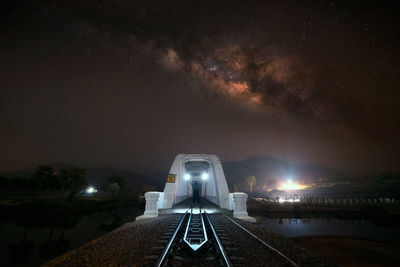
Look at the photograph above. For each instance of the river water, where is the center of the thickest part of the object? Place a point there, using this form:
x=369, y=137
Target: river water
x=31, y=241
x=331, y=226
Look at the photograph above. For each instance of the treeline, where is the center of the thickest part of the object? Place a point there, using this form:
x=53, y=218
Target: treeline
x=48, y=180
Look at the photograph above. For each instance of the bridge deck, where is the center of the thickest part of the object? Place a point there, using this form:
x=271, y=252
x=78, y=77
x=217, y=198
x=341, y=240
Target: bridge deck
x=205, y=204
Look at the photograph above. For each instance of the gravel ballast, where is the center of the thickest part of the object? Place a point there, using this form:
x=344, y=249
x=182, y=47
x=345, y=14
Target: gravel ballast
x=257, y=254
x=132, y=243
x=125, y=246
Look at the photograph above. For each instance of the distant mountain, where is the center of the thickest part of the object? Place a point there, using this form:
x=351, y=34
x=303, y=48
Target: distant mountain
x=95, y=176
x=269, y=171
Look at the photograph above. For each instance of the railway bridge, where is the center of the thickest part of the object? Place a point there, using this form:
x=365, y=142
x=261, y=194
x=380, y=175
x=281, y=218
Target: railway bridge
x=191, y=223
x=193, y=176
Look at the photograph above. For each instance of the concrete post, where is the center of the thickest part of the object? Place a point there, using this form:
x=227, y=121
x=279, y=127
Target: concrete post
x=151, y=203
x=151, y=210
x=231, y=202
x=240, y=207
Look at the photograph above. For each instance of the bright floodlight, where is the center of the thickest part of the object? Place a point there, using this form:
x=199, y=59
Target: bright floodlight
x=91, y=190
x=204, y=176
x=186, y=176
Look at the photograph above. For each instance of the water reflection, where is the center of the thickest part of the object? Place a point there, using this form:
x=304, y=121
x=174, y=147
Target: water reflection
x=32, y=239
x=361, y=228
x=20, y=251
x=319, y=220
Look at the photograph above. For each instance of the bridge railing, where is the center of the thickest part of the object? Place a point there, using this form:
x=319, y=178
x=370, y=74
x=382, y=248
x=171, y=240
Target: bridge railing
x=155, y=201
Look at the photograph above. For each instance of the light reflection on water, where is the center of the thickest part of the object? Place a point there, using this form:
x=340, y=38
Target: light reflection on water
x=289, y=227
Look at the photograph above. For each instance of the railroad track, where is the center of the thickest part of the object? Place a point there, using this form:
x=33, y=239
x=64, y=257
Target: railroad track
x=200, y=239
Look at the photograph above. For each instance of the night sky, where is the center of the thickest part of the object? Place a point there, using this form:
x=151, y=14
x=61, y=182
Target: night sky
x=130, y=84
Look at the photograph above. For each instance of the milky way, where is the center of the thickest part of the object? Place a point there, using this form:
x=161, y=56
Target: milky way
x=258, y=78
x=308, y=81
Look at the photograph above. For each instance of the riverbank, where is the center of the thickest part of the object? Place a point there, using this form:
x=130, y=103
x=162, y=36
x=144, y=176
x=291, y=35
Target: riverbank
x=350, y=251
x=378, y=214
x=53, y=205
x=31, y=237
x=37, y=228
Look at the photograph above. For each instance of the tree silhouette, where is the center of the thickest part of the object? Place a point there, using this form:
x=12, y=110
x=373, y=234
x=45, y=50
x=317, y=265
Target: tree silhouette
x=120, y=181
x=114, y=188
x=77, y=182
x=44, y=176
x=65, y=179
x=251, y=181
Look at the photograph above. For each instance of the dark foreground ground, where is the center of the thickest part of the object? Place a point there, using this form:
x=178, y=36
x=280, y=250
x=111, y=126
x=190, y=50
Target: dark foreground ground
x=347, y=251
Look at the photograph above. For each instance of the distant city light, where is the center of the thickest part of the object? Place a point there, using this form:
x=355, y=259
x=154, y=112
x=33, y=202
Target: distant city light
x=91, y=190
x=204, y=176
x=283, y=200
x=290, y=185
x=186, y=176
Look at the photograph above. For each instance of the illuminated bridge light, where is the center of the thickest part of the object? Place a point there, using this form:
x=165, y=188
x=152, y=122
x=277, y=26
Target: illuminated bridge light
x=186, y=176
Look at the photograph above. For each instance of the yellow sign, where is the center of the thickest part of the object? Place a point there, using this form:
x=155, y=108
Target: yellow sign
x=171, y=178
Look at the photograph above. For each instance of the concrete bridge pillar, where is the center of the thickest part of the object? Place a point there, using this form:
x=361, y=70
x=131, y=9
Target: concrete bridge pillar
x=151, y=209
x=240, y=207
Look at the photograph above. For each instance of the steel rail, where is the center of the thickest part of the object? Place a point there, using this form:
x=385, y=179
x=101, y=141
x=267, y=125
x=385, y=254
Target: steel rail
x=263, y=242
x=188, y=233
x=165, y=252
x=220, y=246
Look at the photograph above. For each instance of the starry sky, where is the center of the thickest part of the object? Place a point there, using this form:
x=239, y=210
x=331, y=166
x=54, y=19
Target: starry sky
x=130, y=84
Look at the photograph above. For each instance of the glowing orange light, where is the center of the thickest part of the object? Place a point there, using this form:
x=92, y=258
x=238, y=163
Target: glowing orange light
x=289, y=186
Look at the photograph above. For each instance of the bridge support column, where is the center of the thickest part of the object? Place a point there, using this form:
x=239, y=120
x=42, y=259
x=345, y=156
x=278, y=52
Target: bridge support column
x=240, y=207
x=151, y=210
